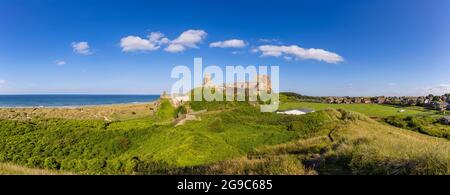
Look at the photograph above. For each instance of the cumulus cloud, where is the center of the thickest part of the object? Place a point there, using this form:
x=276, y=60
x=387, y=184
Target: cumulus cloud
x=232, y=43
x=81, y=48
x=439, y=89
x=156, y=40
x=187, y=39
x=151, y=43
x=60, y=62
x=299, y=53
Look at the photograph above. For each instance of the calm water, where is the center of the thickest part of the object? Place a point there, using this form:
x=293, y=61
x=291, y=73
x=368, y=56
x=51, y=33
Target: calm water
x=71, y=100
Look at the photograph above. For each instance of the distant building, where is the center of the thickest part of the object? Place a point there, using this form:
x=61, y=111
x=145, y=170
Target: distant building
x=446, y=120
x=357, y=100
x=380, y=100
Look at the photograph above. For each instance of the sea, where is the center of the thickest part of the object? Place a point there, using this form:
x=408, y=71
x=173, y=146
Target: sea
x=13, y=101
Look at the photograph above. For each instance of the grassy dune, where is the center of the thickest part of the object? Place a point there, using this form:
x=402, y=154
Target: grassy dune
x=229, y=139
x=358, y=145
x=10, y=169
x=106, y=112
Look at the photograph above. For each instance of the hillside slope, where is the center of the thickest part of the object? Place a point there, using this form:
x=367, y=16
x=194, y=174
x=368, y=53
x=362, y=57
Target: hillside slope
x=235, y=141
x=357, y=145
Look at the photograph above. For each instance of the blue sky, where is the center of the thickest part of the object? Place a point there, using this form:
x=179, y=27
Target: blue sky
x=384, y=47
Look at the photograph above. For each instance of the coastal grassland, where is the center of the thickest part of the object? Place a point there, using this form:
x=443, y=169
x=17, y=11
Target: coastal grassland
x=106, y=112
x=371, y=110
x=358, y=145
x=231, y=138
x=11, y=169
x=426, y=124
x=124, y=147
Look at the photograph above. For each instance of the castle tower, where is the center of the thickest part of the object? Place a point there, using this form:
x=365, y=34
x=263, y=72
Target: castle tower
x=264, y=83
x=207, y=80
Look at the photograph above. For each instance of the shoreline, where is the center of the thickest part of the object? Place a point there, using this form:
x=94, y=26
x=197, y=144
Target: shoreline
x=78, y=106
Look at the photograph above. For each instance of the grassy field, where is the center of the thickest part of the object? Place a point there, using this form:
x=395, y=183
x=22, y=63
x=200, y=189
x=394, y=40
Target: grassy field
x=349, y=143
x=98, y=146
x=371, y=110
x=232, y=138
x=426, y=124
x=107, y=112
x=10, y=169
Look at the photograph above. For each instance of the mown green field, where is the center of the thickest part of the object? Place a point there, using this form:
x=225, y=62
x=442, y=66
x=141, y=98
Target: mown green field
x=371, y=110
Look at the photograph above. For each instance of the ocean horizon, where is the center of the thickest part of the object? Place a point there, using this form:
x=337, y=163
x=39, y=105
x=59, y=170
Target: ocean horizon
x=70, y=100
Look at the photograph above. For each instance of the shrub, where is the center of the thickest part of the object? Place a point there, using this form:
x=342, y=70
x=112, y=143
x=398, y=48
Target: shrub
x=96, y=165
x=68, y=164
x=180, y=111
x=35, y=161
x=51, y=163
x=114, y=166
x=216, y=125
x=132, y=165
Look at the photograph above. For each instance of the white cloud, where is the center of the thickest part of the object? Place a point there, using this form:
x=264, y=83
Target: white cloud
x=175, y=48
x=232, y=43
x=187, y=39
x=267, y=41
x=60, y=62
x=156, y=40
x=300, y=53
x=151, y=43
x=439, y=89
x=2, y=82
x=392, y=84
x=81, y=48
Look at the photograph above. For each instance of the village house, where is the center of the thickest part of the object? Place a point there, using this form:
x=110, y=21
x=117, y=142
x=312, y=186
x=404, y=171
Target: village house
x=380, y=100
x=366, y=100
x=357, y=100
x=329, y=100
x=446, y=120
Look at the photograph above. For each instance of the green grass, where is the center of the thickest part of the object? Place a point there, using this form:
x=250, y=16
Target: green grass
x=165, y=112
x=94, y=146
x=233, y=138
x=371, y=110
x=430, y=125
x=359, y=145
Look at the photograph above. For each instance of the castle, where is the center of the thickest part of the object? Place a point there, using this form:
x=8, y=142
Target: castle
x=261, y=82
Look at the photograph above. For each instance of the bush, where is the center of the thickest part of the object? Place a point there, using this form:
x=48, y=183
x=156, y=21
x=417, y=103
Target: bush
x=51, y=163
x=114, y=166
x=96, y=165
x=68, y=164
x=132, y=165
x=180, y=111
x=216, y=125
x=35, y=161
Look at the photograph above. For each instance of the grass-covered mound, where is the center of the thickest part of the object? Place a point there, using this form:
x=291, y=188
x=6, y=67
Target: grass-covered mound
x=96, y=146
x=430, y=125
x=356, y=145
x=231, y=138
